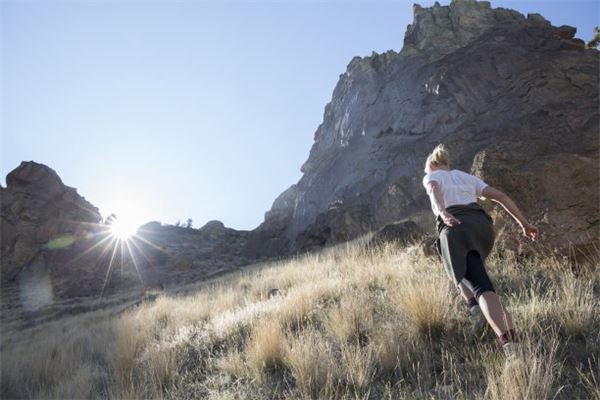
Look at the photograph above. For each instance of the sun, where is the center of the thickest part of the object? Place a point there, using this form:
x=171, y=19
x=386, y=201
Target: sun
x=125, y=210
x=123, y=229
x=124, y=214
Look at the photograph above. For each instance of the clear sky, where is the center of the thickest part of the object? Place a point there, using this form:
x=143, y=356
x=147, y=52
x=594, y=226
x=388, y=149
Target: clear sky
x=164, y=110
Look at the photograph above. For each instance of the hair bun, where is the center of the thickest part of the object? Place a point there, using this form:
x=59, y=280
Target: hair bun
x=438, y=157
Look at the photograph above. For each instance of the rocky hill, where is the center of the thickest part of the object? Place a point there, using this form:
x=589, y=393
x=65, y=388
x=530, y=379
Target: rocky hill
x=514, y=98
x=55, y=247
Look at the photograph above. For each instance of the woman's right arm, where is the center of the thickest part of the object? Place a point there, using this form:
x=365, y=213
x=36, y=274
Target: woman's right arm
x=500, y=197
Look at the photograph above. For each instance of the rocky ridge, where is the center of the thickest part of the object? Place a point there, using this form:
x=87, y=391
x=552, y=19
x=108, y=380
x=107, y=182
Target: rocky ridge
x=55, y=246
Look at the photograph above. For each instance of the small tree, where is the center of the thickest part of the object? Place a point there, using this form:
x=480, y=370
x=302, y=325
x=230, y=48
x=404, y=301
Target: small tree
x=110, y=219
x=188, y=223
x=178, y=223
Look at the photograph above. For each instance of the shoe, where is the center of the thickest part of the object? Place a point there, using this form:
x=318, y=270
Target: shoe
x=478, y=321
x=513, y=351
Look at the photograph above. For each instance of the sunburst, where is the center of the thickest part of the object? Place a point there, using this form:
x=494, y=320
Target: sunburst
x=123, y=229
x=116, y=242
x=123, y=232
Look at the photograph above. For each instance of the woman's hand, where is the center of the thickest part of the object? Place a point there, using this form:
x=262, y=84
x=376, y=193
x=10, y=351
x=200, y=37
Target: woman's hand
x=449, y=219
x=530, y=231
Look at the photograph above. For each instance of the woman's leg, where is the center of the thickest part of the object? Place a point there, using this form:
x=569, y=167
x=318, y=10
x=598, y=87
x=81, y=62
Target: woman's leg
x=495, y=312
x=489, y=302
x=477, y=318
x=465, y=292
x=469, y=296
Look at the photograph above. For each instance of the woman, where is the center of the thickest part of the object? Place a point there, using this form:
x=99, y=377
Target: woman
x=466, y=237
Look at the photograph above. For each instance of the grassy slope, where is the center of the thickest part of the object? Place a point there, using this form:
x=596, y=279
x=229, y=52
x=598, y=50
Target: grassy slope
x=350, y=322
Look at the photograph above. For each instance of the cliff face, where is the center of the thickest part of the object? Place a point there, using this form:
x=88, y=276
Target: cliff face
x=514, y=99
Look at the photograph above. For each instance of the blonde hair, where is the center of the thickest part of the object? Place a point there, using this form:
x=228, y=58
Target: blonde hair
x=438, y=157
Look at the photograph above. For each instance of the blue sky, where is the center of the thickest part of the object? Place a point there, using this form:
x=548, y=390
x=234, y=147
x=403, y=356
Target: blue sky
x=162, y=110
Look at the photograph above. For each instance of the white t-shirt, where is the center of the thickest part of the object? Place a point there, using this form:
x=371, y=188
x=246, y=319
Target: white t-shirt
x=457, y=187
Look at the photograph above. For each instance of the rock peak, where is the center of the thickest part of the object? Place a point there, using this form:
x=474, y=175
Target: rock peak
x=439, y=30
x=32, y=173
x=213, y=225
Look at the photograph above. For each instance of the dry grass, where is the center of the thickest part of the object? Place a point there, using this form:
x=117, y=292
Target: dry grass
x=312, y=364
x=425, y=301
x=353, y=322
x=358, y=363
x=531, y=376
x=265, y=348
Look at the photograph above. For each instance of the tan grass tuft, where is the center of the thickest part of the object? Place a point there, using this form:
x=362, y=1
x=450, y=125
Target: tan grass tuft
x=575, y=306
x=531, y=376
x=351, y=321
x=393, y=349
x=359, y=368
x=313, y=365
x=233, y=364
x=591, y=378
x=265, y=349
x=425, y=303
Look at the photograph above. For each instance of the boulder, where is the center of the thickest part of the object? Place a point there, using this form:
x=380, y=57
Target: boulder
x=559, y=193
x=404, y=233
x=40, y=215
x=565, y=32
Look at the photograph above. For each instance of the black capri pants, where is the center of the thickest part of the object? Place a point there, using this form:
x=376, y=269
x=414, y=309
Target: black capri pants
x=476, y=278
x=463, y=248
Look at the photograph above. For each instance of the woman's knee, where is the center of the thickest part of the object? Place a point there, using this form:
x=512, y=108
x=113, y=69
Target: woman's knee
x=477, y=275
x=474, y=257
x=480, y=292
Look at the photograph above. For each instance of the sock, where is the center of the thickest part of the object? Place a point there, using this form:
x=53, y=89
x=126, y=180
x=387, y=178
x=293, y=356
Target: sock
x=507, y=337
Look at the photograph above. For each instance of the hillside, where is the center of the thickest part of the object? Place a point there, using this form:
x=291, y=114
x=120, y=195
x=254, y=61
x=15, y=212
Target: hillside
x=308, y=305
x=352, y=322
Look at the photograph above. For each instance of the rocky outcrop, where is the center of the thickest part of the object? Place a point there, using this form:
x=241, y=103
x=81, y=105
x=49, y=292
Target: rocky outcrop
x=511, y=96
x=404, y=233
x=181, y=254
x=55, y=246
x=560, y=192
x=39, y=213
x=269, y=238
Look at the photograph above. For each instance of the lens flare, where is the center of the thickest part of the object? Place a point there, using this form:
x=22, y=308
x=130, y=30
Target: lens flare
x=123, y=229
x=117, y=239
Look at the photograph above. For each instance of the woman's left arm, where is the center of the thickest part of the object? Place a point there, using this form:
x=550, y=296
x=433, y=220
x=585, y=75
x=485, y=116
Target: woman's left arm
x=435, y=192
